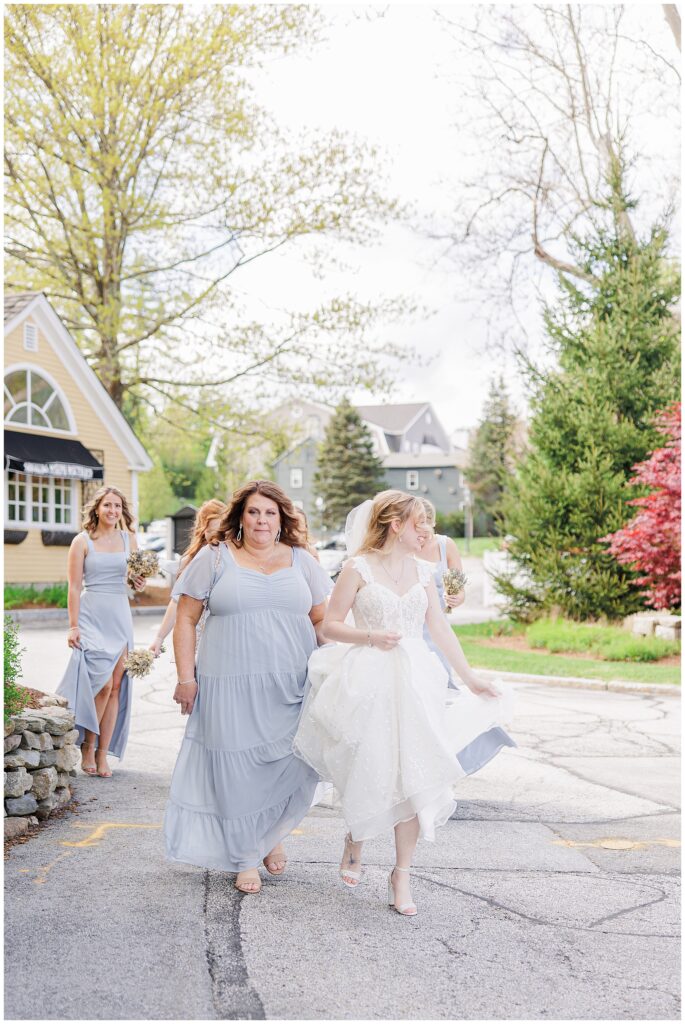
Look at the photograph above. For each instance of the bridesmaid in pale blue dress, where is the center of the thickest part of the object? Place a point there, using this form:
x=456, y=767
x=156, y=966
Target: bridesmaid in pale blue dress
x=443, y=553
x=237, y=789
x=101, y=631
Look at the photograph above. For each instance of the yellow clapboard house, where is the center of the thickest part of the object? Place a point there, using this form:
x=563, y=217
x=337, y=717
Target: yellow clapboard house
x=64, y=437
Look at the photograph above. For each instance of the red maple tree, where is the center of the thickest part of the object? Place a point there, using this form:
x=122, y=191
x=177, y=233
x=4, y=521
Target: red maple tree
x=650, y=542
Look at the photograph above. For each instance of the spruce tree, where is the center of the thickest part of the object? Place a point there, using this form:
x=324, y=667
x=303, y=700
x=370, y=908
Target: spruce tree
x=492, y=455
x=616, y=348
x=348, y=472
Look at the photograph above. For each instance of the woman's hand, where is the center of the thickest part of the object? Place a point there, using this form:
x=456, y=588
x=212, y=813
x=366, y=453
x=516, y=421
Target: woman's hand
x=185, y=694
x=74, y=637
x=454, y=600
x=156, y=646
x=481, y=687
x=384, y=639
x=138, y=582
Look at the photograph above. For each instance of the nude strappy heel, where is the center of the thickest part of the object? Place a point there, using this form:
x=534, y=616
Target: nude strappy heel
x=405, y=909
x=347, y=872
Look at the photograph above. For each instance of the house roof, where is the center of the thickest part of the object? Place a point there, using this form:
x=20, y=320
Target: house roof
x=17, y=308
x=426, y=460
x=394, y=419
x=14, y=304
x=300, y=444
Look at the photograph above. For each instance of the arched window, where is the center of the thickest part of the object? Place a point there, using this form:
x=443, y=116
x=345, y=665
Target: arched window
x=31, y=400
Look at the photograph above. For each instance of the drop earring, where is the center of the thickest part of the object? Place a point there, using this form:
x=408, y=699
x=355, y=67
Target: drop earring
x=239, y=535
x=278, y=535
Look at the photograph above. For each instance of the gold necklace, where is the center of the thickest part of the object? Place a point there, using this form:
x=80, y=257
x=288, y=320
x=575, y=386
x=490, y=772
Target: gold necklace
x=259, y=564
x=389, y=574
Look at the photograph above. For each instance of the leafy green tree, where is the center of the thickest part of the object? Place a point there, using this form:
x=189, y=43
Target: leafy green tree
x=141, y=175
x=156, y=496
x=616, y=349
x=348, y=472
x=492, y=455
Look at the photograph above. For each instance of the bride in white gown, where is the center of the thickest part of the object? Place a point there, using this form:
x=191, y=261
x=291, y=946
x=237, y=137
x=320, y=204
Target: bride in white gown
x=377, y=722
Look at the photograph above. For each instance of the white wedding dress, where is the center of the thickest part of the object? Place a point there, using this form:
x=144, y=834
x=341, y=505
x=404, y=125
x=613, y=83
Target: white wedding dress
x=383, y=727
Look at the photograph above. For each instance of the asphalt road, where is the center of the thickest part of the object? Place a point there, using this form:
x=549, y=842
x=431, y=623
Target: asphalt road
x=552, y=893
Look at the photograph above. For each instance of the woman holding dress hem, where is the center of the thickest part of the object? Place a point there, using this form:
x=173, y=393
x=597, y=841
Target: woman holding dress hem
x=100, y=634
x=375, y=723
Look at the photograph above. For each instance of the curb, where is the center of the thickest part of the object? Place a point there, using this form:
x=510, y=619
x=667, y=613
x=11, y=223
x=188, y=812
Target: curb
x=580, y=683
x=60, y=617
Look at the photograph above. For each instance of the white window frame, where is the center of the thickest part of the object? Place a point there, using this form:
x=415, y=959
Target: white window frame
x=412, y=479
x=58, y=393
x=28, y=523
x=296, y=478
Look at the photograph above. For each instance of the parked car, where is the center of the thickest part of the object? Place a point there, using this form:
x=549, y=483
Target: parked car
x=332, y=553
x=151, y=542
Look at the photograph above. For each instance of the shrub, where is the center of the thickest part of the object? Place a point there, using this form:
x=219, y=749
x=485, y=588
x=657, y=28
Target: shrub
x=54, y=596
x=650, y=542
x=609, y=643
x=16, y=696
x=450, y=523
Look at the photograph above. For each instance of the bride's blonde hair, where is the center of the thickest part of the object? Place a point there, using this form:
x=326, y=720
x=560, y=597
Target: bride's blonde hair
x=387, y=506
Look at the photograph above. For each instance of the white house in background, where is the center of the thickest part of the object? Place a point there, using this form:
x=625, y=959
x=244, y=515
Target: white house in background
x=64, y=437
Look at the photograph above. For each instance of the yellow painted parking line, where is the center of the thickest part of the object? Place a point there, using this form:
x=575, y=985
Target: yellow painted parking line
x=99, y=833
x=42, y=876
x=616, y=843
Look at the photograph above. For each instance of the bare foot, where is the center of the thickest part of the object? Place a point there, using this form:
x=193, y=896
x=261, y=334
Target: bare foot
x=276, y=860
x=248, y=881
x=103, y=768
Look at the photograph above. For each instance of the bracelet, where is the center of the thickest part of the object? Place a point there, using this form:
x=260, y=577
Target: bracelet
x=72, y=627
x=183, y=682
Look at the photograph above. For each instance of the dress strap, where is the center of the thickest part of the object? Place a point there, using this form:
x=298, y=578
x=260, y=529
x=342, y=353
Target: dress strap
x=442, y=544
x=89, y=540
x=127, y=542
x=363, y=568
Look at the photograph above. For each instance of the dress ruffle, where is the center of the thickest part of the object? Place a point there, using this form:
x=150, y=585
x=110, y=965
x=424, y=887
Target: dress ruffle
x=377, y=724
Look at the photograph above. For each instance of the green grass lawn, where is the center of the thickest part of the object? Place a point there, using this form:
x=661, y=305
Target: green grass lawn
x=53, y=597
x=477, y=546
x=501, y=659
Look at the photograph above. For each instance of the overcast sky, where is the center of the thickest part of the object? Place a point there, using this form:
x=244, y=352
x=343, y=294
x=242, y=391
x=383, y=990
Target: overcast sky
x=382, y=78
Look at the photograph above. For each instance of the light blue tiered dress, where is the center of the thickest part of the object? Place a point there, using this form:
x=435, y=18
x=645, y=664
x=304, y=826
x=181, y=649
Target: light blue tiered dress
x=106, y=627
x=237, y=789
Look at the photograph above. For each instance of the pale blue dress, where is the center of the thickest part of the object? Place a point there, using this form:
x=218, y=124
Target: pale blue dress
x=440, y=567
x=106, y=627
x=477, y=754
x=237, y=789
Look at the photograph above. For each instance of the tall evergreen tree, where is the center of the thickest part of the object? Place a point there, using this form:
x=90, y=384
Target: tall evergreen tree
x=492, y=454
x=616, y=348
x=348, y=472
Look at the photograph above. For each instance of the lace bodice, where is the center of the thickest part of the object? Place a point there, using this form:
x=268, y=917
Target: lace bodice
x=378, y=607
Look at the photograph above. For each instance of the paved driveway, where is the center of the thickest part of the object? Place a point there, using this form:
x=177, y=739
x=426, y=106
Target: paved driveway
x=552, y=893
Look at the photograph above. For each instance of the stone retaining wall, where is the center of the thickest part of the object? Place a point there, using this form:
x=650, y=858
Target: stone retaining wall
x=40, y=758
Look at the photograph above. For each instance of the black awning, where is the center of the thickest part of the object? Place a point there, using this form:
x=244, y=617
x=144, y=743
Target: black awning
x=50, y=456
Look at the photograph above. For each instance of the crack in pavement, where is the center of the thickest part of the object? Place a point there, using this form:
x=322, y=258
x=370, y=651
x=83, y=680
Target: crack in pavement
x=592, y=927
x=233, y=994
x=629, y=910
